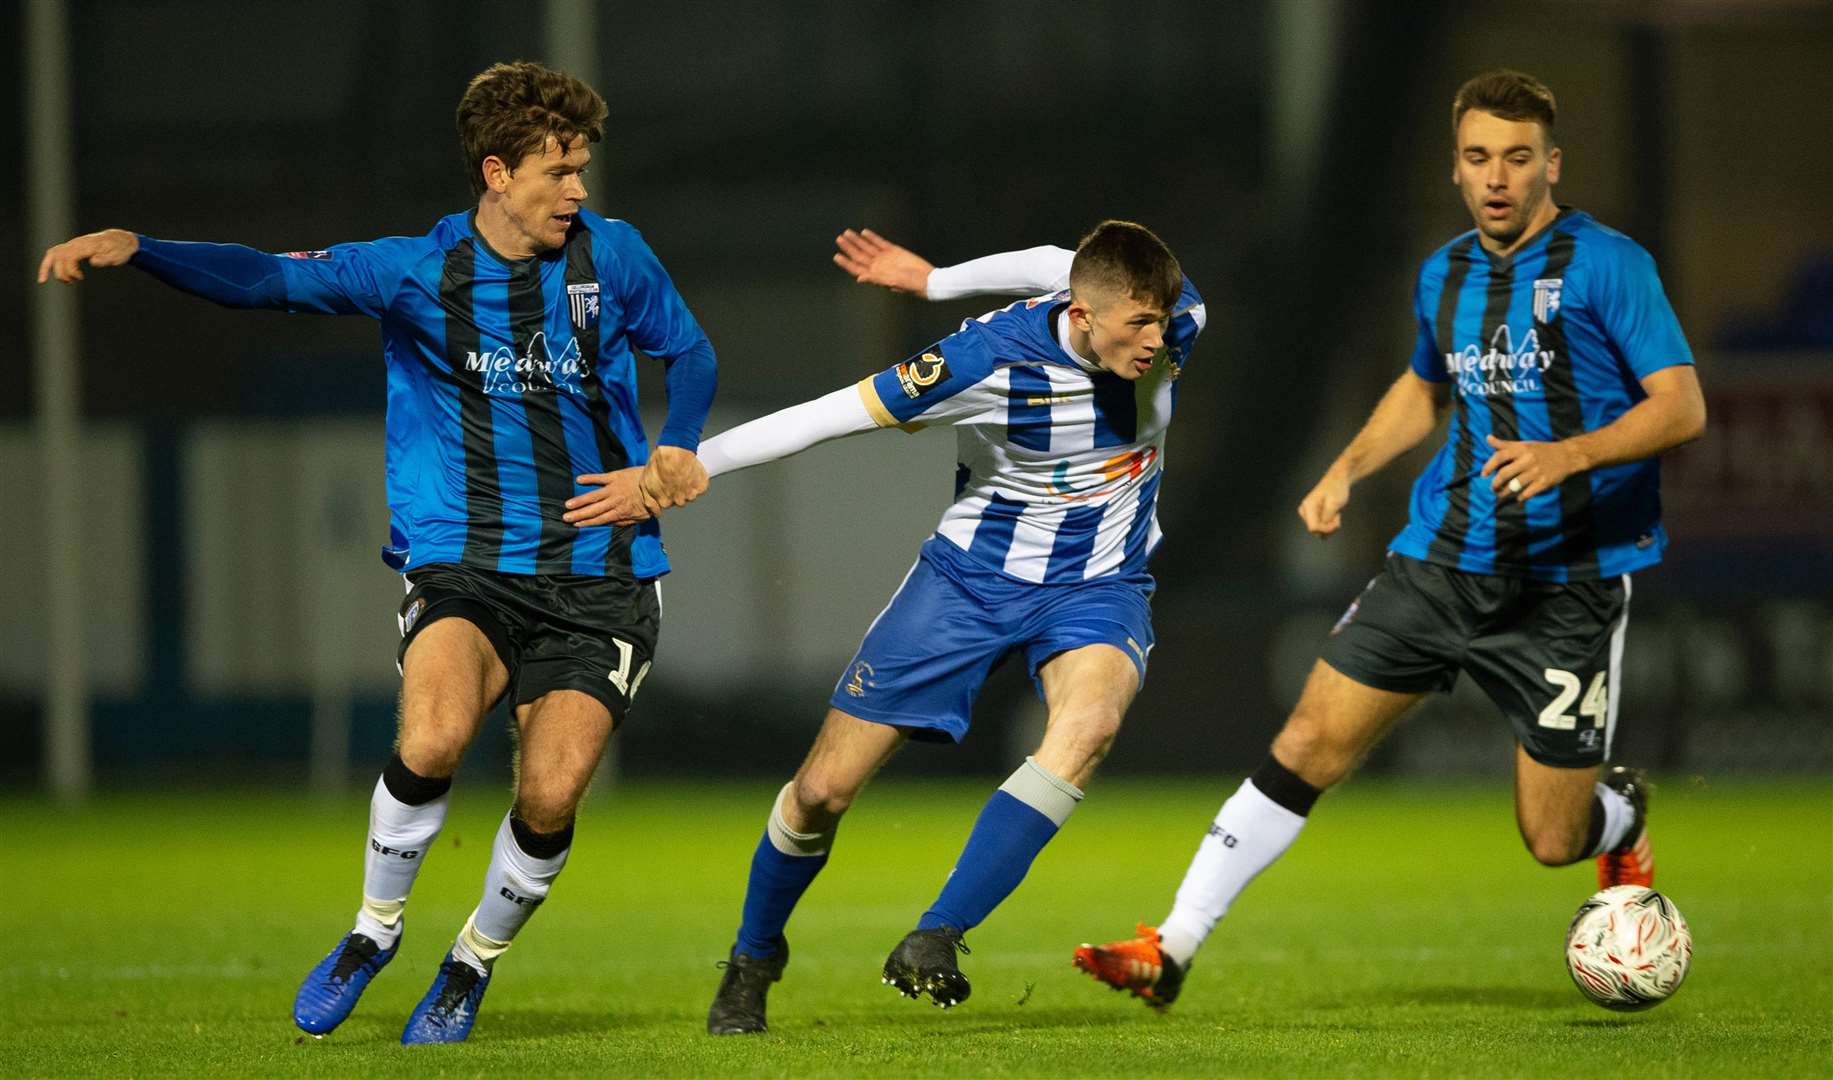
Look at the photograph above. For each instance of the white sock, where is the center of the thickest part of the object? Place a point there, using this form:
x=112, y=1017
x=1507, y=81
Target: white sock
x=1250, y=831
x=1619, y=816
x=399, y=836
x=514, y=886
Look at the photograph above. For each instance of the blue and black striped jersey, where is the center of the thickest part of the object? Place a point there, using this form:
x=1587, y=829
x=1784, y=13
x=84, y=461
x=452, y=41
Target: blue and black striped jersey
x=506, y=379
x=1548, y=343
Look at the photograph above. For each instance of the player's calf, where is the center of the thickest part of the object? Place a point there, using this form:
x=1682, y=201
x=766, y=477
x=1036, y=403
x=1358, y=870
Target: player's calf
x=1556, y=850
x=1564, y=814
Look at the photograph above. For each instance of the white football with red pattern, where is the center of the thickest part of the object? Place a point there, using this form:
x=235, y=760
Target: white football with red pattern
x=1628, y=948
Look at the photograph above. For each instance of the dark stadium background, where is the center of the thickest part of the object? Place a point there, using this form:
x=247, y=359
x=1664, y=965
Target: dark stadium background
x=239, y=626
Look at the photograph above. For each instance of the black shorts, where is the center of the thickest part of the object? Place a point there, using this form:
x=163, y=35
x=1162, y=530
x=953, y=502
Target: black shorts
x=596, y=635
x=1548, y=654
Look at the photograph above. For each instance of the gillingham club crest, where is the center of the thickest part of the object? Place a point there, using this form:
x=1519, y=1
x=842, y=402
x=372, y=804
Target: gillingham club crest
x=583, y=299
x=1546, y=298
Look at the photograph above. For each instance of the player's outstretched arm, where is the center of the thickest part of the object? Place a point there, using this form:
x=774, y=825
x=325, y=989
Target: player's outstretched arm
x=788, y=431
x=346, y=280
x=625, y=498
x=872, y=260
x=1674, y=412
x=110, y=247
x=1406, y=414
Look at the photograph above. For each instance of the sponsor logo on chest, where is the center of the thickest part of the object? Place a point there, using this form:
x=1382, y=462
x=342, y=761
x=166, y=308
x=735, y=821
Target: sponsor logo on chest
x=540, y=370
x=1503, y=368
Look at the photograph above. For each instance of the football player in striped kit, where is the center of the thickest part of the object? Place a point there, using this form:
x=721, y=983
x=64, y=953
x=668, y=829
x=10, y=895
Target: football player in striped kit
x=1060, y=403
x=1567, y=373
x=508, y=335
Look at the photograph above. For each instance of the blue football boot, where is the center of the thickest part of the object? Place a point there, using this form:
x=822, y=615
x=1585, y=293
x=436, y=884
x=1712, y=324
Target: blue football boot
x=330, y=990
x=445, y=1014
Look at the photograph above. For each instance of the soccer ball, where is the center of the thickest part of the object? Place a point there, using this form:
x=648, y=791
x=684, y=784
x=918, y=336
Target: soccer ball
x=1628, y=948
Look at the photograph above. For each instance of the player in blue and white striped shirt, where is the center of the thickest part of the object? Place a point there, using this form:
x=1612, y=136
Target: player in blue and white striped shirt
x=1568, y=376
x=508, y=334
x=1061, y=403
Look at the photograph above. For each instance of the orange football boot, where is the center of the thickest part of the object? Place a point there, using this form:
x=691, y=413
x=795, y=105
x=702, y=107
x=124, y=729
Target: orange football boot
x=1137, y=965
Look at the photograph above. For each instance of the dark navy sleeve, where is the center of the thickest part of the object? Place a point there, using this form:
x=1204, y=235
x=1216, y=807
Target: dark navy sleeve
x=659, y=323
x=1426, y=362
x=1634, y=310
x=338, y=281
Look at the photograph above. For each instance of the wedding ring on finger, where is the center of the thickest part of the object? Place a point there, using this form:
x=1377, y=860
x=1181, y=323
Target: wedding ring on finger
x=1514, y=486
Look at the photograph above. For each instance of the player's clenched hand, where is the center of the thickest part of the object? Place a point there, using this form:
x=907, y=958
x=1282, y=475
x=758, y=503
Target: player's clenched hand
x=1322, y=509
x=673, y=477
x=873, y=260
x=110, y=247
x=618, y=502
x=1522, y=470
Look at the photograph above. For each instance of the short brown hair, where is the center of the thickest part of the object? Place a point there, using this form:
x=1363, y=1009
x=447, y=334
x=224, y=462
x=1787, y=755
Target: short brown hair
x=1128, y=259
x=509, y=110
x=1511, y=95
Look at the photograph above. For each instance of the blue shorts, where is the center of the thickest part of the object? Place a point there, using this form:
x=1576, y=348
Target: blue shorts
x=953, y=620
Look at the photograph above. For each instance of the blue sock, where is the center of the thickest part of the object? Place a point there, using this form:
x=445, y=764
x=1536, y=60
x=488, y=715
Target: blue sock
x=777, y=882
x=782, y=868
x=1013, y=827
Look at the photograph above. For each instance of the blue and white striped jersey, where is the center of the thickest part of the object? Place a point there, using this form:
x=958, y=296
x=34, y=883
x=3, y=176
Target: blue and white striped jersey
x=1059, y=460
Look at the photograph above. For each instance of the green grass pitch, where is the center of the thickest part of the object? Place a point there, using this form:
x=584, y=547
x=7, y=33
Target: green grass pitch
x=1407, y=933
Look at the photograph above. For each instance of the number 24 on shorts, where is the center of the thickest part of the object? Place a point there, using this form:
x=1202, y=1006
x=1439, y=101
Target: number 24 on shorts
x=1596, y=704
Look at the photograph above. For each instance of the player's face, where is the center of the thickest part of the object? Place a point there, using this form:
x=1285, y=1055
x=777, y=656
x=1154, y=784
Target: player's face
x=541, y=195
x=1506, y=173
x=1125, y=335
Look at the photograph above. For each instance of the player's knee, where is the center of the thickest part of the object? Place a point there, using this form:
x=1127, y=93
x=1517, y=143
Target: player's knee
x=821, y=800
x=546, y=809
x=432, y=749
x=547, y=798
x=544, y=821
x=434, y=734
